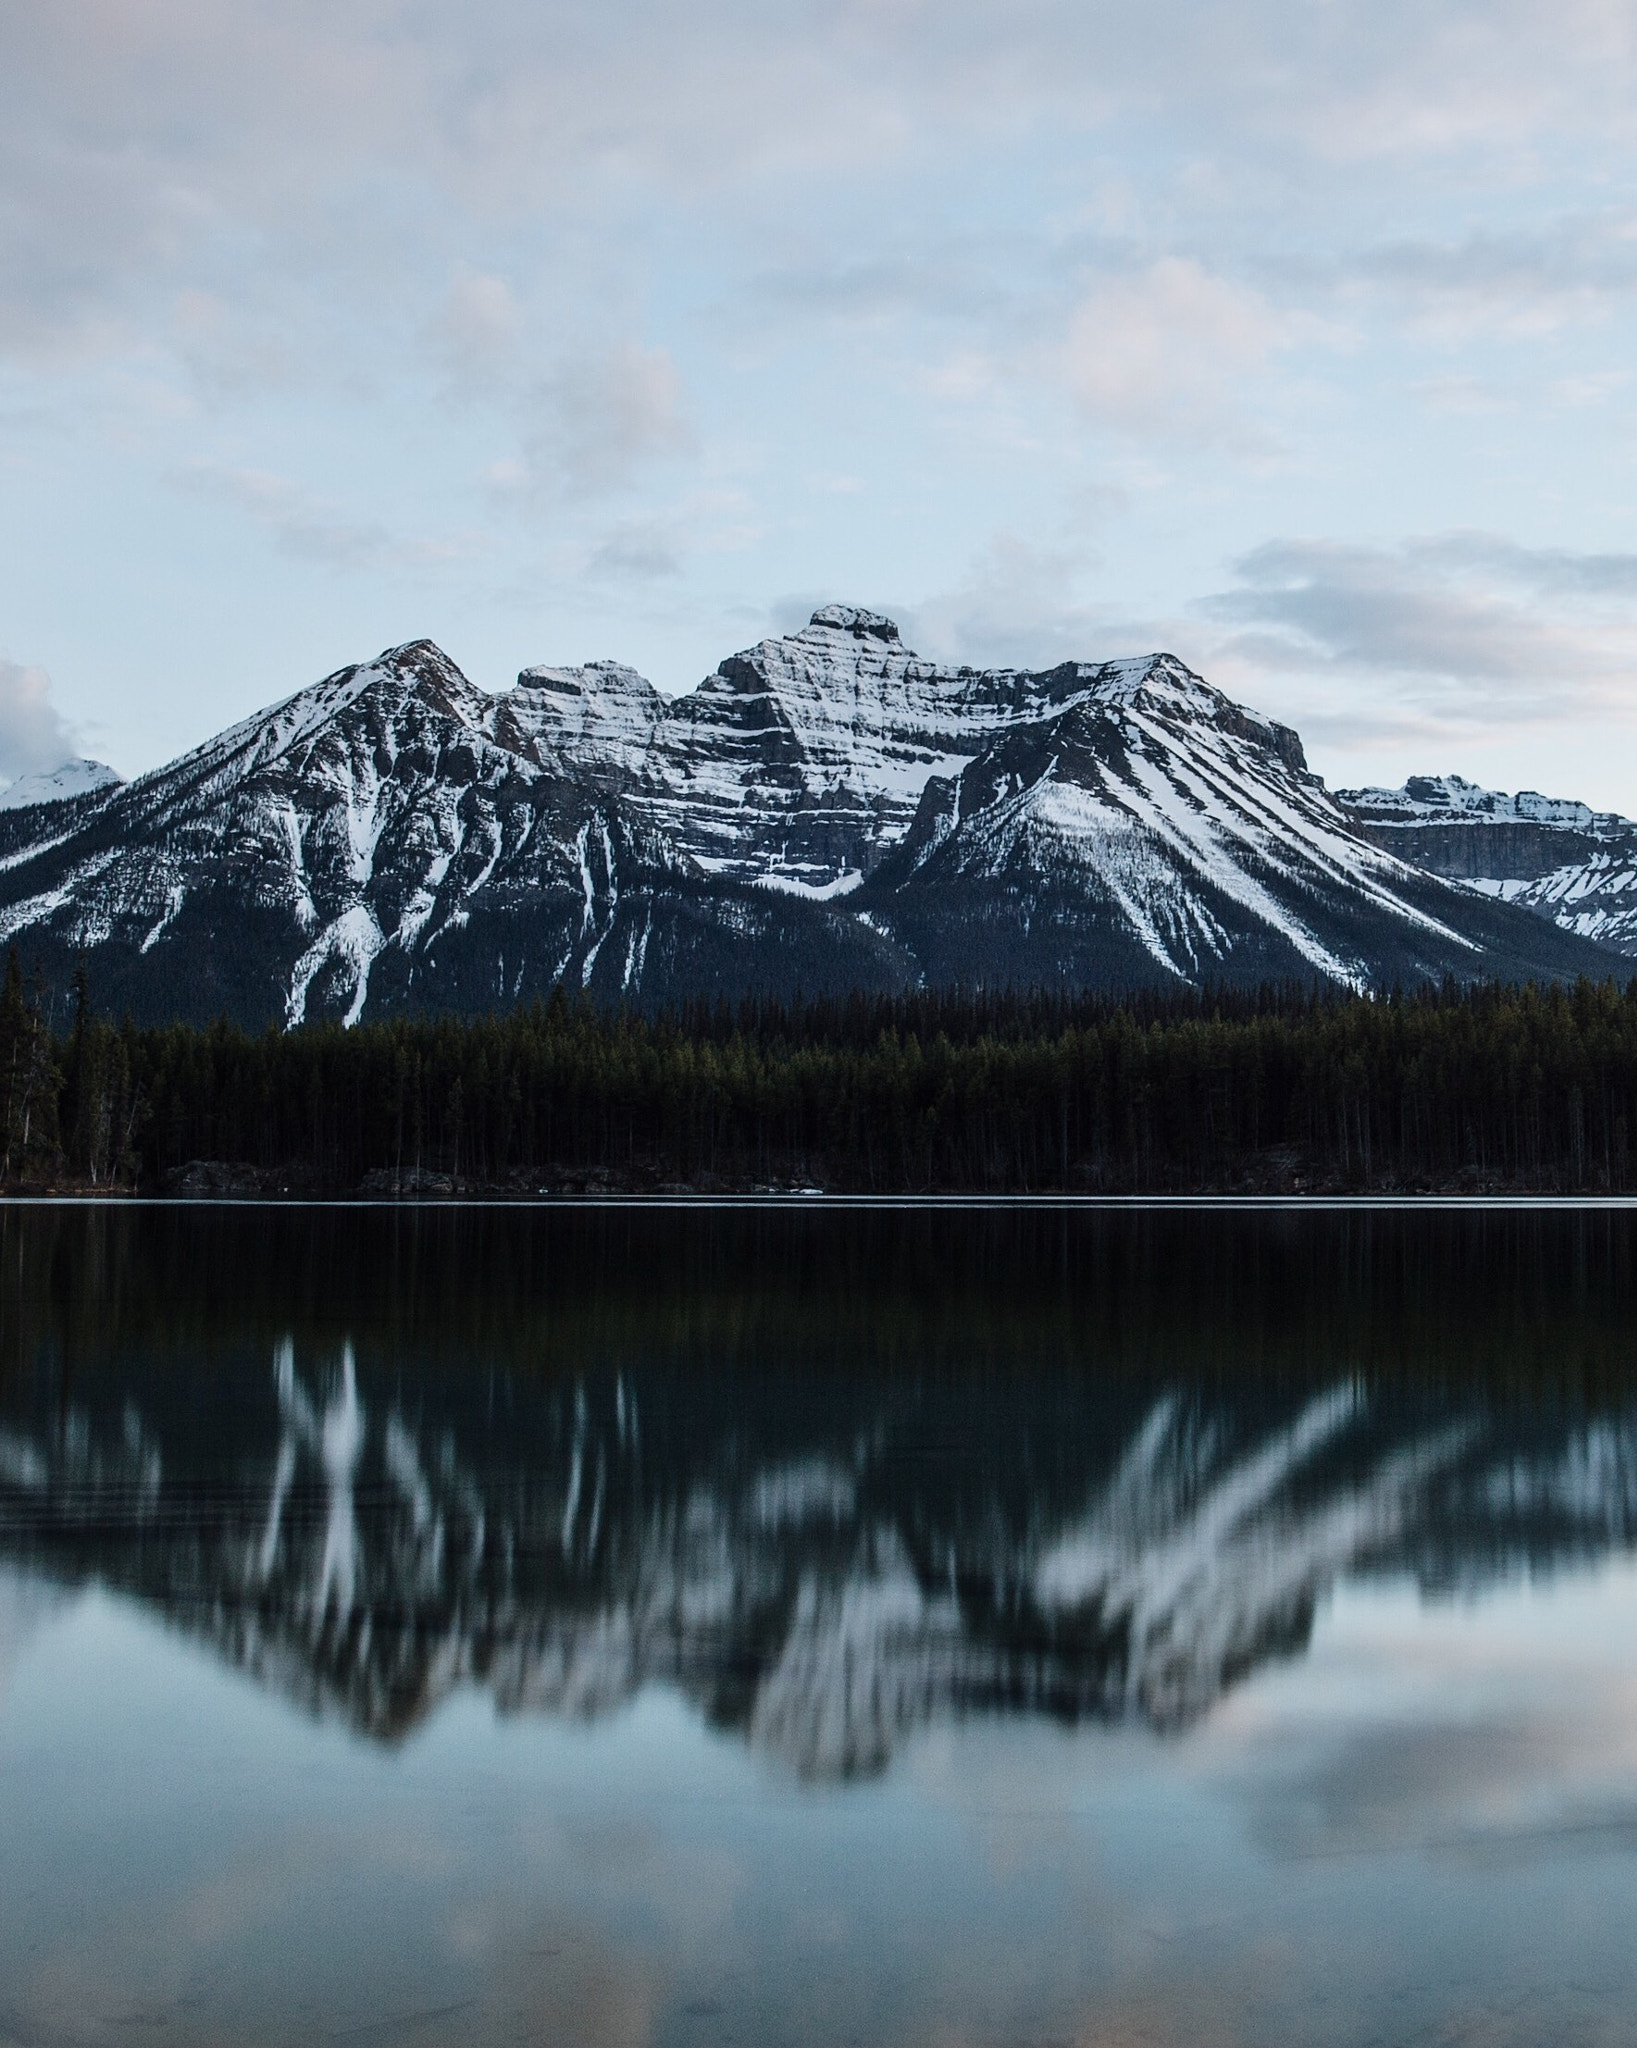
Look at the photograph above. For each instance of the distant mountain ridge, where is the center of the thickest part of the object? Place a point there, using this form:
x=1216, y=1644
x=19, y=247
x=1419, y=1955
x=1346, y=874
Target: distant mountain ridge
x=827, y=811
x=1566, y=862
x=74, y=778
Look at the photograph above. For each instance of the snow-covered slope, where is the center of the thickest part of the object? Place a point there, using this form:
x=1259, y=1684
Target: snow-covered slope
x=826, y=811
x=1157, y=828
x=801, y=761
x=1569, y=864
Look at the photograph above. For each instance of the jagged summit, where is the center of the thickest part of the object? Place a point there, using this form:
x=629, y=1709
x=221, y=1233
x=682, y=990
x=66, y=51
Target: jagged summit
x=847, y=618
x=1438, y=799
x=825, y=811
x=601, y=715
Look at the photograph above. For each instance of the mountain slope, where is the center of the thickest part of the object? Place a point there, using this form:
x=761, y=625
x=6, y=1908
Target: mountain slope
x=375, y=842
x=1157, y=829
x=826, y=811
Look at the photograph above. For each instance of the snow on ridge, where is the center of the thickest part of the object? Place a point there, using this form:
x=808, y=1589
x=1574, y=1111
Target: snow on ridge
x=269, y=736
x=1192, y=830
x=848, y=618
x=1242, y=799
x=838, y=728
x=600, y=710
x=842, y=723
x=1452, y=799
x=1181, y=804
x=1595, y=899
x=1502, y=847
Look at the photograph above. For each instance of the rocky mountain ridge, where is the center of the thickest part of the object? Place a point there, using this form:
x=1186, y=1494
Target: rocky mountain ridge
x=1560, y=859
x=826, y=811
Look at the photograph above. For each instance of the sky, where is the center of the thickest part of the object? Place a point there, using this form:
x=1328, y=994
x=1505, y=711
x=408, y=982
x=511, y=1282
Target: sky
x=1297, y=337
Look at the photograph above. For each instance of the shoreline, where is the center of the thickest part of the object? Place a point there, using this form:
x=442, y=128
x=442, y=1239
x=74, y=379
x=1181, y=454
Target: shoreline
x=1432, y=1201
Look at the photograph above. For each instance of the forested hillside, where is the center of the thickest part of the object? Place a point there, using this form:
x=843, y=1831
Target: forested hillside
x=1285, y=1090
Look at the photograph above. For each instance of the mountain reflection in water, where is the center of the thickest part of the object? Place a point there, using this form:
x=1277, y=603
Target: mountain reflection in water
x=832, y=1477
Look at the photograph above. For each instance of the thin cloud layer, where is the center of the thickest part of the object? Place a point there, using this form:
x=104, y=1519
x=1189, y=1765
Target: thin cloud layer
x=604, y=417
x=168, y=144
x=1162, y=352
x=1442, y=648
x=1470, y=615
x=529, y=306
x=309, y=530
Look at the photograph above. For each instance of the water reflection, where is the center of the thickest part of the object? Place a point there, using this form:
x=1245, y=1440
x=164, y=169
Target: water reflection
x=832, y=1480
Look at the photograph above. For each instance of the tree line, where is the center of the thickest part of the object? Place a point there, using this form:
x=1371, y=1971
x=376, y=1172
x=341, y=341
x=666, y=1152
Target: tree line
x=1488, y=1086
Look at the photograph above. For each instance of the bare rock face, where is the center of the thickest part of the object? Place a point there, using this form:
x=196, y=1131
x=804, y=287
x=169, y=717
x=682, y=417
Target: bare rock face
x=827, y=811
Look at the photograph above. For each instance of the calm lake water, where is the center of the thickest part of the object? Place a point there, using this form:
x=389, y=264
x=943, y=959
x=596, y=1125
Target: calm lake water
x=642, y=1627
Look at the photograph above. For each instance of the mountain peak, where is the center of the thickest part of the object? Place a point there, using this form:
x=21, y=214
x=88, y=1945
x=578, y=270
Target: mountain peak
x=849, y=618
x=74, y=778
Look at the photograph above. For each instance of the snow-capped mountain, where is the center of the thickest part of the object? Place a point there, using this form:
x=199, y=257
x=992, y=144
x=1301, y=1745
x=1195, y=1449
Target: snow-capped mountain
x=1572, y=865
x=74, y=778
x=827, y=811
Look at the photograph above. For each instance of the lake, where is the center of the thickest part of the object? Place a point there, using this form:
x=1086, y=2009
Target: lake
x=636, y=1626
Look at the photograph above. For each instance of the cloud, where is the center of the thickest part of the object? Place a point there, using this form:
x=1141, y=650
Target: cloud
x=1463, y=395
x=660, y=543
x=640, y=550
x=1170, y=351
x=1523, y=283
x=306, y=529
x=1458, y=633
x=1166, y=350
x=476, y=331
x=1022, y=601
x=232, y=346
x=1462, y=637
x=948, y=251
x=196, y=143
x=954, y=280
x=34, y=736
x=604, y=418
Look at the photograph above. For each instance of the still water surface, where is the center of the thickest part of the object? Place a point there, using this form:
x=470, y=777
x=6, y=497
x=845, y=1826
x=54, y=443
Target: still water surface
x=513, y=1626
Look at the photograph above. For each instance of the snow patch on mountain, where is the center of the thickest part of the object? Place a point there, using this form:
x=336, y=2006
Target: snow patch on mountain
x=351, y=942
x=815, y=892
